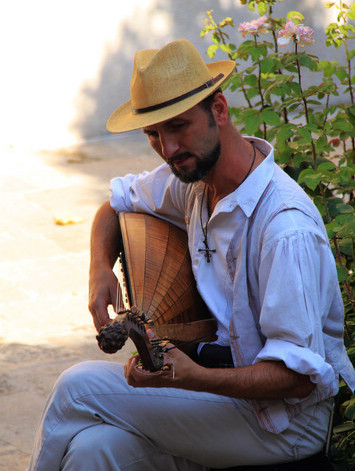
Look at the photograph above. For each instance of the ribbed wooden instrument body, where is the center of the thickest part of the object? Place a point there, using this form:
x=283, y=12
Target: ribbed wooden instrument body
x=159, y=278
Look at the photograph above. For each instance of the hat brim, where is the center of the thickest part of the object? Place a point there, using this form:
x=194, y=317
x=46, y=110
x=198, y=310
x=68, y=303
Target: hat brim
x=123, y=119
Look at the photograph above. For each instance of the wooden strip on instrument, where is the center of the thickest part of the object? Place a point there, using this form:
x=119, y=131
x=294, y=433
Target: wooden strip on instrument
x=134, y=237
x=176, y=283
x=161, y=281
x=157, y=236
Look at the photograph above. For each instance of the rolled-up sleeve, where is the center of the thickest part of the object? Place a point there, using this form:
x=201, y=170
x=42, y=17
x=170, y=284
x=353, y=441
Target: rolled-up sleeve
x=304, y=361
x=298, y=283
x=157, y=192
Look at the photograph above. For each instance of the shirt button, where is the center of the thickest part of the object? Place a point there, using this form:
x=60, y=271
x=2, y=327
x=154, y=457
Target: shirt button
x=196, y=261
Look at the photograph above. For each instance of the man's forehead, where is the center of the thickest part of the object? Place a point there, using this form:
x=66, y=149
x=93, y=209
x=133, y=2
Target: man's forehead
x=162, y=123
x=182, y=116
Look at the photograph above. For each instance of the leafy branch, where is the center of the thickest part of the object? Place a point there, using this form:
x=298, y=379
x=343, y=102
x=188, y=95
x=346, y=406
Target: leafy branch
x=312, y=129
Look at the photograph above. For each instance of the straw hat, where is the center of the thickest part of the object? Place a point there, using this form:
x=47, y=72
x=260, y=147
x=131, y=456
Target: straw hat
x=166, y=82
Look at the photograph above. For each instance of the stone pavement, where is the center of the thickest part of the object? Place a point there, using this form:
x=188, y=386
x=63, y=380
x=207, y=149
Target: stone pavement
x=44, y=322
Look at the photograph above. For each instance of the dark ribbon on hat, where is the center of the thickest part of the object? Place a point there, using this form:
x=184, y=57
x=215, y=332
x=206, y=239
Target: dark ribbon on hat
x=207, y=84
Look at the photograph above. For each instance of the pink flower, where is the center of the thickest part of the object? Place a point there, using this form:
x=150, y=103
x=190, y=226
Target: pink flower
x=253, y=27
x=303, y=35
x=335, y=142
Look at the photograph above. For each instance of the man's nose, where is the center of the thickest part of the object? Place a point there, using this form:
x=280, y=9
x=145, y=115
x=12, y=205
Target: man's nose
x=169, y=146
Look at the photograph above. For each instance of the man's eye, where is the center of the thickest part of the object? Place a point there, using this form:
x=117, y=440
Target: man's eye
x=151, y=134
x=177, y=126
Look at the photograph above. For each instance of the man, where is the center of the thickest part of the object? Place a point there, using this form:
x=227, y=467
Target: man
x=263, y=265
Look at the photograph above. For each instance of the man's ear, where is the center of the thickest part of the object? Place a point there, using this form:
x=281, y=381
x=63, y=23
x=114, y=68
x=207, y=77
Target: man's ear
x=219, y=109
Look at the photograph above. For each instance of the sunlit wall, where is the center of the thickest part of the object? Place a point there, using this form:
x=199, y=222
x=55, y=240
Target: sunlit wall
x=65, y=65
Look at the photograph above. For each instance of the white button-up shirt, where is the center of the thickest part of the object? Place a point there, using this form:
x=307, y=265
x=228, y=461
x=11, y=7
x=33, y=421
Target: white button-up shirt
x=271, y=284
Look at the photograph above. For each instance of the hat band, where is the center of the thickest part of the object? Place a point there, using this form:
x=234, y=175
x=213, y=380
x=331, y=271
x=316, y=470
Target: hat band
x=207, y=84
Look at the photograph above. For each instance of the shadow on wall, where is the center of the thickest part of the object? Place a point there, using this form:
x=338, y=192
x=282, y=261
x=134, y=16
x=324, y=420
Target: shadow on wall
x=163, y=21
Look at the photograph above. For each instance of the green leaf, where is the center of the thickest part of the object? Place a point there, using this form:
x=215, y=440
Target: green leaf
x=347, y=427
x=298, y=158
x=308, y=62
x=342, y=125
x=326, y=166
x=341, y=73
x=243, y=49
x=291, y=68
x=347, y=248
x=330, y=229
x=344, y=208
x=344, y=225
x=342, y=274
x=295, y=87
x=252, y=124
x=285, y=156
x=215, y=37
x=295, y=15
x=236, y=81
x=304, y=132
x=285, y=132
x=211, y=51
x=320, y=203
x=262, y=8
x=312, y=181
x=350, y=412
x=321, y=143
x=267, y=65
x=278, y=91
x=270, y=117
x=328, y=67
x=346, y=175
x=304, y=173
x=225, y=48
x=251, y=80
x=351, y=354
x=252, y=92
x=251, y=5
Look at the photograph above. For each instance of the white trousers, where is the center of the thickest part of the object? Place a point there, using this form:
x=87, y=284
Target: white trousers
x=94, y=421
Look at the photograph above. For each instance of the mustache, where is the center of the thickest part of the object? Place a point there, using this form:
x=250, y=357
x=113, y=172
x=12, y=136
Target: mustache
x=182, y=156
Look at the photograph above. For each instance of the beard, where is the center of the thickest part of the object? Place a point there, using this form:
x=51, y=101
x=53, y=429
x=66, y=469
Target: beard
x=204, y=165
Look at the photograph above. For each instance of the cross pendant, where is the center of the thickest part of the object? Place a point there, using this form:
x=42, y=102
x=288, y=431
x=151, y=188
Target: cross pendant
x=207, y=251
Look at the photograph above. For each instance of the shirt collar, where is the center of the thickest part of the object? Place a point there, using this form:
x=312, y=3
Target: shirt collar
x=247, y=195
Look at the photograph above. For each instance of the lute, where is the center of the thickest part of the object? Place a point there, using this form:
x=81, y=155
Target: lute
x=158, y=291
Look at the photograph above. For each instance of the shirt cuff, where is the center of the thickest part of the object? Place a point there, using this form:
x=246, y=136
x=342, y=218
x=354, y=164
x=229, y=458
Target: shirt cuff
x=303, y=361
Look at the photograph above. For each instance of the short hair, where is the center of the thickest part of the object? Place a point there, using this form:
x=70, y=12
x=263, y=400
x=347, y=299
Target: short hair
x=207, y=102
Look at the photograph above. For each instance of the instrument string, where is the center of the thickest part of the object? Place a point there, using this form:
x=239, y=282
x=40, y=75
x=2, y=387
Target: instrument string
x=188, y=342
x=119, y=299
x=118, y=303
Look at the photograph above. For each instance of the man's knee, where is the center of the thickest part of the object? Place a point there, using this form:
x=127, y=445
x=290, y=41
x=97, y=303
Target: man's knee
x=105, y=446
x=86, y=377
x=75, y=377
x=86, y=451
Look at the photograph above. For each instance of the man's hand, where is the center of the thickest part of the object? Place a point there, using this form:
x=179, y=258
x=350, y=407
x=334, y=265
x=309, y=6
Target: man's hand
x=179, y=372
x=102, y=293
x=106, y=242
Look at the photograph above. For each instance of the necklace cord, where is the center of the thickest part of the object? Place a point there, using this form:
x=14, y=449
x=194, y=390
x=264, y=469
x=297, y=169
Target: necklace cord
x=204, y=229
x=252, y=163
